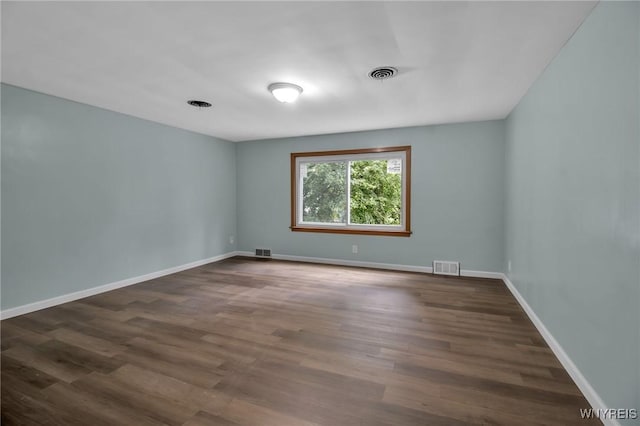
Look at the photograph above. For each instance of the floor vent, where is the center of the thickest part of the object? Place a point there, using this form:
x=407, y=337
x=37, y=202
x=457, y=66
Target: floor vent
x=262, y=252
x=441, y=267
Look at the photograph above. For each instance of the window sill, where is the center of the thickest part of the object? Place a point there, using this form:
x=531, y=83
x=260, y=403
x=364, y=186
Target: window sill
x=352, y=231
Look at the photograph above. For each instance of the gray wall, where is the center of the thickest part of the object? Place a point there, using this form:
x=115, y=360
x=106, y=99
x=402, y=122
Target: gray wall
x=573, y=200
x=457, y=197
x=92, y=196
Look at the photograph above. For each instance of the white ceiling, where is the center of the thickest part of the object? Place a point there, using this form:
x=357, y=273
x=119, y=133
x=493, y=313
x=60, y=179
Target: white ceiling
x=458, y=61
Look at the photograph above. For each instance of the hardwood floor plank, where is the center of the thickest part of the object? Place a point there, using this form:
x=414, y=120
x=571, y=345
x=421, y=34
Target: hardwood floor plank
x=70, y=354
x=99, y=408
x=86, y=342
x=125, y=395
x=245, y=413
x=202, y=418
x=335, y=382
x=59, y=368
x=187, y=373
x=12, y=335
x=489, y=386
x=192, y=398
x=23, y=404
x=413, y=398
x=452, y=366
x=32, y=376
x=385, y=414
x=550, y=413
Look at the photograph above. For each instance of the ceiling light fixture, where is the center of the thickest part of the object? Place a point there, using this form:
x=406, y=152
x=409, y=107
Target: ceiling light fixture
x=285, y=92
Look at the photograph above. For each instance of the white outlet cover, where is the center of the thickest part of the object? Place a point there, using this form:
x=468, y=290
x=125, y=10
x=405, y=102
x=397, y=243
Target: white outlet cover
x=354, y=248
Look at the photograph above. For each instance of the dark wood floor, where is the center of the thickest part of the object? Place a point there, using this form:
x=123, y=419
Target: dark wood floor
x=248, y=342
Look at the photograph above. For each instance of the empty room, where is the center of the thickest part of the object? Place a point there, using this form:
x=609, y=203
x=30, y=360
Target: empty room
x=320, y=213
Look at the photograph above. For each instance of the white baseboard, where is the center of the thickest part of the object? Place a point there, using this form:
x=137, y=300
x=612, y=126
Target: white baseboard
x=376, y=265
x=480, y=274
x=585, y=387
x=42, y=304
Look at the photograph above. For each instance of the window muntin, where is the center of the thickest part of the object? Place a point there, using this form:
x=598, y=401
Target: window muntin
x=353, y=191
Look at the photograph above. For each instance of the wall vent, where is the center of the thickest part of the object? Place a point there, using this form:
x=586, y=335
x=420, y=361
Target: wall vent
x=263, y=252
x=442, y=267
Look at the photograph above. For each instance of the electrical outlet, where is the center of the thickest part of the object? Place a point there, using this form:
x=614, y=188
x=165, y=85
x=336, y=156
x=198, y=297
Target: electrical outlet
x=232, y=239
x=354, y=249
x=509, y=266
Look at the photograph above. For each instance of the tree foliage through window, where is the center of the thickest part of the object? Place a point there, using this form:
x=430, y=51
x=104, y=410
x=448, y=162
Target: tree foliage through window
x=375, y=193
x=324, y=193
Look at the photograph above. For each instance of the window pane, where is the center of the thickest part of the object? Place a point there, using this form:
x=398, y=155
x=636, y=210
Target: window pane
x=376, y=192
x=324, y=192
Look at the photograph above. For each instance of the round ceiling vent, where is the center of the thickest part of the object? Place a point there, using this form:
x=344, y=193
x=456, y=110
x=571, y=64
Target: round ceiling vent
x=383, y=73
x=199, y=104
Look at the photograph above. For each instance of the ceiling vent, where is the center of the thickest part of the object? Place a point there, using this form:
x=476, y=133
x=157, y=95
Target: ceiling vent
x=383, y=73
x=199, y=104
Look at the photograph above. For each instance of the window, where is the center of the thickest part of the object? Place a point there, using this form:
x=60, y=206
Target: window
x=359, y=191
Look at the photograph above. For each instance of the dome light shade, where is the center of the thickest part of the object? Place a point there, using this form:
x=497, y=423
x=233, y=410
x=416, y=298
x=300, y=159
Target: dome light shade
x=285, y=92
